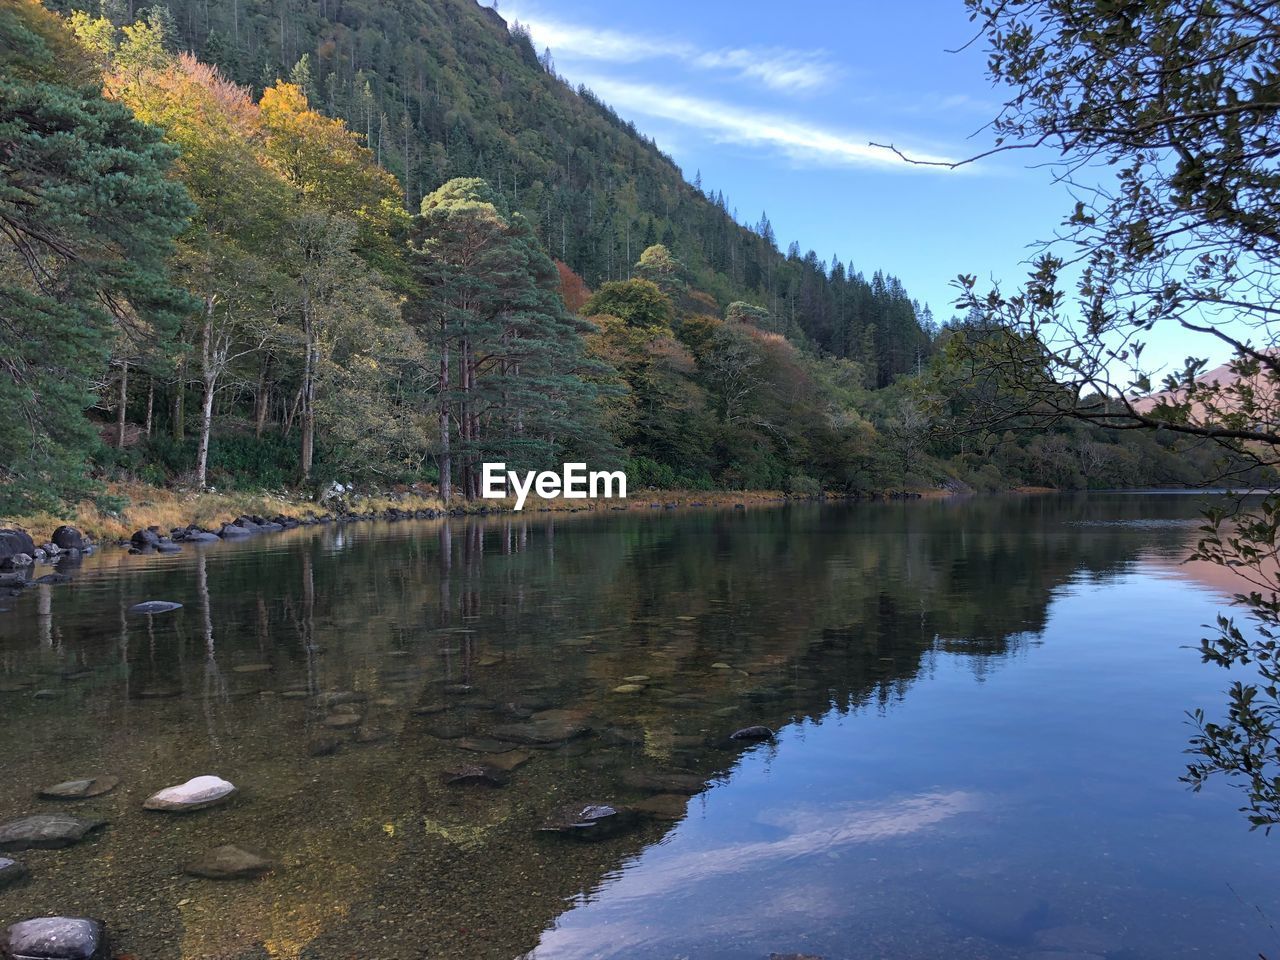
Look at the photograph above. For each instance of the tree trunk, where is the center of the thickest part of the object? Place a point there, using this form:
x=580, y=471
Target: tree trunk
x=151, y=403
x=308, y=392
x=464, y=415
x=308, y=416
x=446, y=461
x=178, y=426
x=262, y=401
x=208, y=377
x=122, y=403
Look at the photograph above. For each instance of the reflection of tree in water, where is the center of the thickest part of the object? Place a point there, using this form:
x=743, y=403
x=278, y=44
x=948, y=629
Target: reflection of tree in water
x=768, y=617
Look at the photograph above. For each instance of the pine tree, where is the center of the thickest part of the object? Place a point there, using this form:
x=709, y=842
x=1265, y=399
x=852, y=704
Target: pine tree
x=510, y=354
x=89, y=217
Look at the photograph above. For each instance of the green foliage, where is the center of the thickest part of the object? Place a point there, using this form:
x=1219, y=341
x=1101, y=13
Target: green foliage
x=641, y=303
x=1245, y=746
x=474, y=100
x=514, y=381
x=799, y=485
x=75, y=272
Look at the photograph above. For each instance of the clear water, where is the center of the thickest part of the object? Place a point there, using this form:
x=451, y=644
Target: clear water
x=981, y=708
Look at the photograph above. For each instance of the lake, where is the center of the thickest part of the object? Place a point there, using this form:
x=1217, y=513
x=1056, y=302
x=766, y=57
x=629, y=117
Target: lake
x=980, y=705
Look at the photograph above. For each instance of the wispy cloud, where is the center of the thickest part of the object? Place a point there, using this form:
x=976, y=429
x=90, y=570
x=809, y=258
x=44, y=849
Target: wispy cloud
x=787, y=71
x=799, y=140
x=685, y=873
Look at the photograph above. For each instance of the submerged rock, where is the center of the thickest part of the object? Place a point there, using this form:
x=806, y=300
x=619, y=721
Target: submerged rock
x=447, y=731
x=338, y=698
x=752, y=734
x=11, y=872
x=474, y=774
x=664, y=806
x=508, y=761
x=45, y=831
x=342, y=721
x=371, y=734
x=229, y=862
x=588, y=821
x=323, y=746
x=80, y=789
x=658, y=782
x=197, y=793
x=155, y=606
x=629, y=688
x=56, y=938
x=482, y=745
x=550, y=727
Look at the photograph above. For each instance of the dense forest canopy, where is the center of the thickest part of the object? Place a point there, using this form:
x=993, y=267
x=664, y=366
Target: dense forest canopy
x=387, y=243
x=440, y=89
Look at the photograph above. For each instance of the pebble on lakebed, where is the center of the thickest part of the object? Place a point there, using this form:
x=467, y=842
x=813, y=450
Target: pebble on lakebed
x=229, y=862
x=588, y=821
x=752, y=733
x=45, y=831
x=56, y=938
x=11, y=871
x=196, y=794
x=80, y=789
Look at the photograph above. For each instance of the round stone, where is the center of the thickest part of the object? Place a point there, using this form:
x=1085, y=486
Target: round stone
x=197, y=793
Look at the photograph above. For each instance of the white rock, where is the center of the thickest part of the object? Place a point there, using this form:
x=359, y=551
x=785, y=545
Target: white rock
x=195, y=794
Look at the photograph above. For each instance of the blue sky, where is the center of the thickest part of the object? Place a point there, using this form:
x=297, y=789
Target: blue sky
x=776, y=105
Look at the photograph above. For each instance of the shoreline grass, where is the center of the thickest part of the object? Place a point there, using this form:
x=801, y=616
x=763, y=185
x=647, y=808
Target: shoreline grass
x=167, y=508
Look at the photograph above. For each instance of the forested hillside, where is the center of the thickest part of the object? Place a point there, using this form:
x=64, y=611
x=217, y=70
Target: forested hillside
x=256, y=246
x=441, y=89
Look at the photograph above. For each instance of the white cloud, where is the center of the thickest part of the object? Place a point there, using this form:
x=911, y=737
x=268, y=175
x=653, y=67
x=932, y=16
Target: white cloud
x=787, y=71
x=685, y=872
x=725, y=123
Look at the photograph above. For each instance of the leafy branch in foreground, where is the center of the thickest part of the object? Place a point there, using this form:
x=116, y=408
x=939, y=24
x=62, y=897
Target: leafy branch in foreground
x=1162, y=121
x=1245, y=746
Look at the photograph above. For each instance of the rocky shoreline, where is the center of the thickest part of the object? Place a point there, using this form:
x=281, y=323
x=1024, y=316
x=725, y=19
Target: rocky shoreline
x=19, y=552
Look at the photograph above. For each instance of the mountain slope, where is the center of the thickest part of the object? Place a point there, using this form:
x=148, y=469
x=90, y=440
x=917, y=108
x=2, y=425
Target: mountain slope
x=444, y=88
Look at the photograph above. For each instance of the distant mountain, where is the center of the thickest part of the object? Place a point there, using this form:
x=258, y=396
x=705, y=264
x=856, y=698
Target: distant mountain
x=1260, y=386
x=446, y=88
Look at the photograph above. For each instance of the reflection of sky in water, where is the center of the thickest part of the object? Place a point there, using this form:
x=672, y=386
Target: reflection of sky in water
x=1036, y=810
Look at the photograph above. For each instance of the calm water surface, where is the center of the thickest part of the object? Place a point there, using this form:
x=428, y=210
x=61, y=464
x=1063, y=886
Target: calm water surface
x=981, y=708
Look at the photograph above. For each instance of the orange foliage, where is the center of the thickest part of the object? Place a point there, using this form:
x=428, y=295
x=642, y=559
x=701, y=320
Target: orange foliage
x=703, y=302
x=573, y=289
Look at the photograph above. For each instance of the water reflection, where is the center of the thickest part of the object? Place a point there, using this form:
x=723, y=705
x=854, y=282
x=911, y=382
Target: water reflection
x=338, y=676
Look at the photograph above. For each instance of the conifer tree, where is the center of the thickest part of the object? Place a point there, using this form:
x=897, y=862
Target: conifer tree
x=87, y=221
